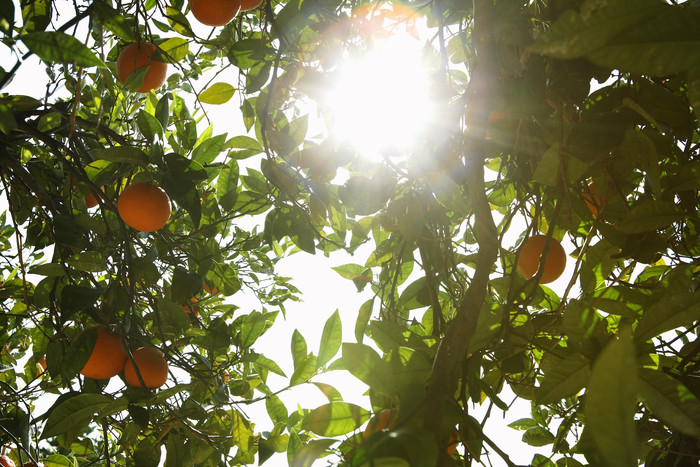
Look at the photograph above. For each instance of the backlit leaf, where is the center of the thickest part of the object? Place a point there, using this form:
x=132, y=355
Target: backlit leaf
x=335, y=419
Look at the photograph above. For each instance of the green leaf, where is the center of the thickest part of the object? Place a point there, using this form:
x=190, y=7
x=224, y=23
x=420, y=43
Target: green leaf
x=693, y=80
x=77, y=298
x=304, y=370
x=126, y=154
x=611, y=402
x=184, y=192
x=149, y=125
x=74, y=414
x=57, y=47
x=363, y=317
x=299, y=350
x=244, y=142
x=48, y=269
x=575, y=34
x=664, y=44
x=366, y=365
x=276, y=409
x=179, y=22
x=241, y=431
x=538, y=436
x=227, y=185
x=36, y=14
x=563, y=377
x=264, y=362
x=78, y=353
x=217, y=94
x=671, y=401
x=330, y=339
x=172, y=50
x=208, y=149
x=114, y=22
x=246, y=53
x=253, y=326
x=651, y=215
x=329, y=391
x=335, y=419
x=307, y=454
x=673, y=310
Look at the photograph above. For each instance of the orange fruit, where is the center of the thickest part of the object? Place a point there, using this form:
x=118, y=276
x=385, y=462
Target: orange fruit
x=40, y=366
x=250, y=4
x=152, y=366
x=188, y=309
x=593, y=201
x=138, y=55
x=107, y=357
x=90, y=200
x=6, y=462
x=495, y=116
x=530, y=255
x=384, y=419
x=215, y=12
x=452, y=443
x=144, y=207
x=32, y=464
x=210, y=290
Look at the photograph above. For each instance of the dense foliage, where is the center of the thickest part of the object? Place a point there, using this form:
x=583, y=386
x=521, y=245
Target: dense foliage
x=611, y=364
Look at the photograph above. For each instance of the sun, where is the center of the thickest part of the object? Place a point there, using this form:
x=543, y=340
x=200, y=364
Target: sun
x=380, y=101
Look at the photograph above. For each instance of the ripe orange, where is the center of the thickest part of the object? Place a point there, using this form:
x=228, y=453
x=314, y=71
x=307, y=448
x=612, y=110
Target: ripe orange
x=452, y=443
x=495, y=116
x=188, y=309
x=152, y=366
x=250, y=4
x=144, y=207
x=90, y=200
x=384, y=419
x=6, y=462
x=215, y=12
x=138, y=55
x=210, y=290
x=593, y=201
x=529, y=259
x=107, y=357
x=40, y=366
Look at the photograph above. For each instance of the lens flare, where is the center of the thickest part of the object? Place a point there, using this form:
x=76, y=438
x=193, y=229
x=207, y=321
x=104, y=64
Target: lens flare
x=380, y=100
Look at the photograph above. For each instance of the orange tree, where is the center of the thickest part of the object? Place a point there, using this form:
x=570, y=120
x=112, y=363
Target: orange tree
x=609, y=363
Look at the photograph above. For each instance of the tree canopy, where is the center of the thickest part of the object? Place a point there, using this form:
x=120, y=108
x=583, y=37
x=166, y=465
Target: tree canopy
x=574, y=120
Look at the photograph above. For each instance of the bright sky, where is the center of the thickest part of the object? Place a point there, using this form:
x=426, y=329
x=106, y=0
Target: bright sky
x=379, y=100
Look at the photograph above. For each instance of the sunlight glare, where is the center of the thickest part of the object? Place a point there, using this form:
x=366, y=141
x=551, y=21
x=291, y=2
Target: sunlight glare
x=380, y=102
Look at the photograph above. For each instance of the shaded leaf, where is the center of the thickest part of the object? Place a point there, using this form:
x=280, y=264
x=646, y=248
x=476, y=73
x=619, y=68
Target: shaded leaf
x=611, y=401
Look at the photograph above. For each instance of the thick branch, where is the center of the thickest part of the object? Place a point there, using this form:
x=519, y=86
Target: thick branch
x=453, y=349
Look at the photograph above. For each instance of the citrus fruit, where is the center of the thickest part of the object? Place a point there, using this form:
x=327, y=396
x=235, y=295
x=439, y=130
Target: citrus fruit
x=138, y=55
x=250, y=4
x=90, y=200
x=188, y=308
x=6, y=462
x=384, y=419
x=210, y=290
x=593, y=201
x=152, y=366
x=529, y=259
x=107, y=357
x=40, y=366
x=144, y=207
x=215, y=12
x=495, y=116
x=452, y=443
